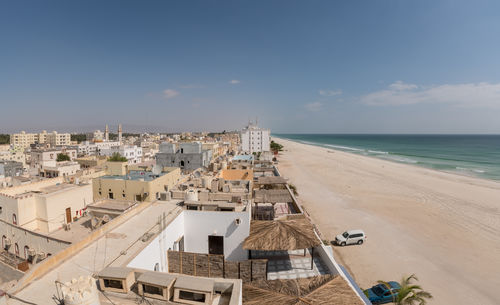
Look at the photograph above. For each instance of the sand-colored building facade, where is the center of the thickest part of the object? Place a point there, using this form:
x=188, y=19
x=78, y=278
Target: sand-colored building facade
x=134, y=183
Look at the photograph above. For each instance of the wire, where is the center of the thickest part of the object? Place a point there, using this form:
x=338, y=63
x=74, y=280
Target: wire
x=20, y=300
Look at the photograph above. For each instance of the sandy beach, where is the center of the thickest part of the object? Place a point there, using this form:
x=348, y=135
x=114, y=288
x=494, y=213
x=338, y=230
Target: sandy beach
x=445, y=228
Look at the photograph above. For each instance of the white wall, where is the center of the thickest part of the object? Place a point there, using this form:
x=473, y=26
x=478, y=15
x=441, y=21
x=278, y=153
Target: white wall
x=196, y=226
x=156, y=251
x=200, y=224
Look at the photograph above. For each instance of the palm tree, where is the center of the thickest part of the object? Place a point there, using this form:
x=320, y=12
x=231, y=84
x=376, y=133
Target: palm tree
x=410, y=294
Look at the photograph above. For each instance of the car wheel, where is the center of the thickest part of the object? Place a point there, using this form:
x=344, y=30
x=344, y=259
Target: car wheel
x=360, y=242
x=342, y=243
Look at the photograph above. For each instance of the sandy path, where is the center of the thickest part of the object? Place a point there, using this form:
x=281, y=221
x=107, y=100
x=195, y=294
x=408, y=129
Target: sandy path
x=443, y=227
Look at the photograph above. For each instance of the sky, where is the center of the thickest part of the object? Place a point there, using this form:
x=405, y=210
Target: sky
x=388, y=66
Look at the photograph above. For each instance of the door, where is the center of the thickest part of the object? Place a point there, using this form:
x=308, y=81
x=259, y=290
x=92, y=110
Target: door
x=215, y=244
x=68, y=215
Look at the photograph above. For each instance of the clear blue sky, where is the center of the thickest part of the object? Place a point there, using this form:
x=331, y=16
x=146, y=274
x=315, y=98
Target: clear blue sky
x=300, y=66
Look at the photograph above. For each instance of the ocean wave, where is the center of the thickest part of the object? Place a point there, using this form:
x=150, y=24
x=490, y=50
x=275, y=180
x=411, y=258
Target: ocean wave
x=404, y=160
x=344, y=147
x=479, y=171
x=307, y=142
x=378, y=152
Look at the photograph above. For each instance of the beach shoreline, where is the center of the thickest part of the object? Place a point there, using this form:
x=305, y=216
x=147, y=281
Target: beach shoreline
x=458, y=173
x=442, y=226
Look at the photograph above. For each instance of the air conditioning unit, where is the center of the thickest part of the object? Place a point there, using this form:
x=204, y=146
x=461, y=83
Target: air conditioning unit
x=31, y=252
x=7, y=242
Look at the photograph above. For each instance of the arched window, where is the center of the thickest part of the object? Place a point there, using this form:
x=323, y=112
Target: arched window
x=14, y=219
x=26, y=248
x=182, y=163
x=16, y=249
x=3, y=241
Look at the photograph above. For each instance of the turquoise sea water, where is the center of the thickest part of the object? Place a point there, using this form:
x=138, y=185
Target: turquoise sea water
x=473, y=155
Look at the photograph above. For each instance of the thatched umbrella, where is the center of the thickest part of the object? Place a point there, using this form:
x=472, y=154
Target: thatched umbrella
x=282, y=235
x=323, y=289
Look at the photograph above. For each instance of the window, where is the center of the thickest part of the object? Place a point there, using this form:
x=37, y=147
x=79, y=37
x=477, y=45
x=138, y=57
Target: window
x=26, y=249
x=110, y=195
x=14, y=219
x=16, y=249
x=152, y=289
x=113, y=284
x=192, y=296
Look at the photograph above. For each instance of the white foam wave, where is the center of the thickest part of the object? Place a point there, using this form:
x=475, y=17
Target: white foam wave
x=404, y=160
x=378, y=152
x=344, y=147
x=479, y=171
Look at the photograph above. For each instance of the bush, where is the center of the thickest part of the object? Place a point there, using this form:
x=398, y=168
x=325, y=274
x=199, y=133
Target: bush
x=62, y=157
x=293, y=188
x=116, y=157
x=276, y=147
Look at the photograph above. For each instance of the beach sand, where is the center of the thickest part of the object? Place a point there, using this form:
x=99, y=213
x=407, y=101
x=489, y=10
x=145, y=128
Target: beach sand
x=445, y=228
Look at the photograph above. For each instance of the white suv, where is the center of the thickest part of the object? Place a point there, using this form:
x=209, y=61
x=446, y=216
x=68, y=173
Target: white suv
x=350, y=238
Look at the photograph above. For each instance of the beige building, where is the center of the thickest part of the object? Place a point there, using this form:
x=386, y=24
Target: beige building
x=134, y=183
x=44, y=206
x=91, y=161
x=61, y=169
x=54, y=138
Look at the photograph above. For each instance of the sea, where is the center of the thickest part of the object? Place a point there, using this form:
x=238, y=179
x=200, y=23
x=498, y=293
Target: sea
x=471, y=155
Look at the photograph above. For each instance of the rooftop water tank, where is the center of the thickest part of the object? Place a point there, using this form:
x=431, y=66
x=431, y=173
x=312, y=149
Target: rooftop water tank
x=191, y=195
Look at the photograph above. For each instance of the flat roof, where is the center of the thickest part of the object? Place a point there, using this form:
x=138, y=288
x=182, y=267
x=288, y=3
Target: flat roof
x=115, y=272
x=243, y=158
x=157, y=278
x=193, y=283
x=111, y=204
x=136, y=175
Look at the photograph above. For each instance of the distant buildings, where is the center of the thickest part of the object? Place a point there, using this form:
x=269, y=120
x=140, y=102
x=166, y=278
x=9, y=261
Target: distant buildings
x=131, y=152
x=255, y=139
x=54, y=138
x=188, y=156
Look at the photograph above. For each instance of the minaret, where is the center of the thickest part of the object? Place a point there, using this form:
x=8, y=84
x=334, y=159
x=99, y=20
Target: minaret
x=106, y=133
x=120, y=133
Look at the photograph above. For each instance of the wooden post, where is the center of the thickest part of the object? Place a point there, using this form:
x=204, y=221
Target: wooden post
x=312, y=258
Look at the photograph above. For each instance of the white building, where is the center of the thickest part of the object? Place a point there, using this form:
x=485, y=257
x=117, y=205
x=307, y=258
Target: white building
x=255, y=139
x=195, y=231
x=131, y=152
x=89, y=149
x=61, y=169
x=41, y=158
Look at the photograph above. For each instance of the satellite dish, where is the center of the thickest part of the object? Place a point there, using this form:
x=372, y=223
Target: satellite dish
x=157, y=169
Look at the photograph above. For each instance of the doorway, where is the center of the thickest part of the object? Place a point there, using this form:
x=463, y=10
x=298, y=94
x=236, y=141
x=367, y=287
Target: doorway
x=68, y=215
x=215, y=244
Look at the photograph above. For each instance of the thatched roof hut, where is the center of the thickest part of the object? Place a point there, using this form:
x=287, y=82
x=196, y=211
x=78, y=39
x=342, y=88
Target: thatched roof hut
x=323, y=289
x=280, y=235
